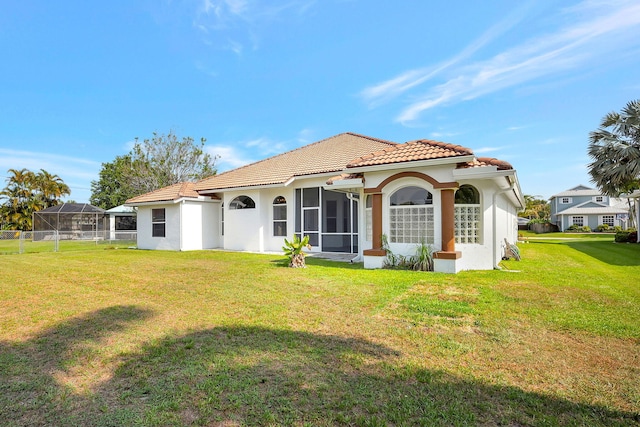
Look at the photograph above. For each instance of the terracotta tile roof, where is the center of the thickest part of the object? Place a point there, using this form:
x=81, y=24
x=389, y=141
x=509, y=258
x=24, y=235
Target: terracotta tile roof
x=423, y=149
x=343, y=176
x=329, y=155
x=486, y=161
x=170, y=193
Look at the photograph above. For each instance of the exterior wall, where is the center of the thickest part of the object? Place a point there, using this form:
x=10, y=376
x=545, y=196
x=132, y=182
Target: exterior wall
x=211, y=225
x=171, y=241
x=479, y=256
x=191, y=235
x=274, y=243
x=243, y=228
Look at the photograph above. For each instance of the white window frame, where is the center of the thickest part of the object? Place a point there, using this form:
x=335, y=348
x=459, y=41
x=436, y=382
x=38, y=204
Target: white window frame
x=598, y=199
x=609, y=223
x=155, y=221
x=565, y=200
x=574, y=220
x=274, y=206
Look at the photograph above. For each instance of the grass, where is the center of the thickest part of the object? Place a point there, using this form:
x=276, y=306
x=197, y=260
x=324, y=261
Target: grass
x=12, y=246
x=128, y=337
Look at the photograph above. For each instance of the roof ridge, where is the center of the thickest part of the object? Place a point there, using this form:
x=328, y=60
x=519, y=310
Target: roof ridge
x=297, y=149
x=441, y=144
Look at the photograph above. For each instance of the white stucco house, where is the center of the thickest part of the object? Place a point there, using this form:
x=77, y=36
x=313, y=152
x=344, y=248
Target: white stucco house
x=345, y=192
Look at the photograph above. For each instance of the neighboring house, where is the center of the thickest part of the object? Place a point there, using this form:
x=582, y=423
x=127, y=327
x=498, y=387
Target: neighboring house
x=345, y=192
x=585, y=206
x=122, y=220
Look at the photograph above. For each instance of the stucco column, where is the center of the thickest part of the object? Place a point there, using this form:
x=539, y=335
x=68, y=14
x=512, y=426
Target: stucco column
x=447, y=224
x=447, y=208
x=376, y=226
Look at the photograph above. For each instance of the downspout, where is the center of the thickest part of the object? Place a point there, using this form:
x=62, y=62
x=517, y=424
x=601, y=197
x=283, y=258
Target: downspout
x=179, y=222
x=495, y=223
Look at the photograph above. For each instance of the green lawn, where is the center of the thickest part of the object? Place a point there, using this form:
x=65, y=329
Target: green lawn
x=113, y=337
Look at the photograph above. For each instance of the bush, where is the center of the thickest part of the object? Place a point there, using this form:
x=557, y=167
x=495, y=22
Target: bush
x=617, y=228
x=579, y=228
x=603, y=227
x=627, y=236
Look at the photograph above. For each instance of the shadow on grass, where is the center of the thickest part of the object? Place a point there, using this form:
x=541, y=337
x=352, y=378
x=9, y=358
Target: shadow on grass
x=259, y=376
x=622, y=254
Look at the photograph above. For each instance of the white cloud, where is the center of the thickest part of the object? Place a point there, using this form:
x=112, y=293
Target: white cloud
x=230, y=156
x=483, y=150
x=377, y=94
x=598, y=30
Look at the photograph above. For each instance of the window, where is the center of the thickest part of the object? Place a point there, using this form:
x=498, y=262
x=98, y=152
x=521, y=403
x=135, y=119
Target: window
x=242, y=202
x=565, y=200
x=279, y=216
x=158, y=222
x=125, y=223
x=368, y=212
x=599, y=199
x=609, y=220
x=467, y=215
x=411, y=216
x=577, y=220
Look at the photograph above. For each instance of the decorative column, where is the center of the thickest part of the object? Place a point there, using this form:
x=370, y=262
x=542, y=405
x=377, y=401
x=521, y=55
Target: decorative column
x=376, y=227
x=447, y=212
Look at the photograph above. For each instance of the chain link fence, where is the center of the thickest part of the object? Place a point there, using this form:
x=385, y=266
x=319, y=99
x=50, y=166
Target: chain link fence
x=20, y=242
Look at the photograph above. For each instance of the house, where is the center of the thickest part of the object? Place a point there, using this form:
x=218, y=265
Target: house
x=585, y=206
x=345, y=192
x=122, y=222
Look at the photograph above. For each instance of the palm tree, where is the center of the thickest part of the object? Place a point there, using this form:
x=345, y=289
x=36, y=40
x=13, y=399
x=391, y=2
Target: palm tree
x=615, y=150
x=51, y=188
x=26, y=193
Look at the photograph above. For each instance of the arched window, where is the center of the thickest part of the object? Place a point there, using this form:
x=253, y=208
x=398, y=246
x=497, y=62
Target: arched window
x=242, y=202
x=280, y=216
x=467, y=215
x=411, y=216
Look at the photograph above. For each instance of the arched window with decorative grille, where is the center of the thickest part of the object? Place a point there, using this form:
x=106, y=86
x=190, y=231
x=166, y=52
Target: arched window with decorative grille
x=411, y=218
x=467, y=215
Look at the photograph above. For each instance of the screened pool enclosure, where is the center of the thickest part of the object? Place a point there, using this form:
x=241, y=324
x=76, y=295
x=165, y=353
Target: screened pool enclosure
x=71, y=221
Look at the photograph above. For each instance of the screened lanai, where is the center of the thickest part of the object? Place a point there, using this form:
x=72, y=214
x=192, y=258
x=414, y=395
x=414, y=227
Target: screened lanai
x=70, y=221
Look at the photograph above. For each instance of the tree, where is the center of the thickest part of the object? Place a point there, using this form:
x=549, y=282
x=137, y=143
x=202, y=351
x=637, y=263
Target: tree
x=153, y=163
x=112, y=188
x=27, y=192
x=615, y=150
x=536, y=208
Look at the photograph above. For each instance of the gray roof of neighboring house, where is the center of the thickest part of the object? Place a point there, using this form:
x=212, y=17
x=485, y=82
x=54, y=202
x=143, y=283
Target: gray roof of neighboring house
x=602, y=210
x=580, y=190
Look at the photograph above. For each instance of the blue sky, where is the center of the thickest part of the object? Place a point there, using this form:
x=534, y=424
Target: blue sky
x=521, y=81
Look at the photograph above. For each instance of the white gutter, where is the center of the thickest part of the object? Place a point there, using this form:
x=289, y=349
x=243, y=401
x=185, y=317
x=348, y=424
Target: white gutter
x=495, y=223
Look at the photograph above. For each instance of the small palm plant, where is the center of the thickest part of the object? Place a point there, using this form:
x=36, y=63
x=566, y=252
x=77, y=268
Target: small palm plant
x=293, y=250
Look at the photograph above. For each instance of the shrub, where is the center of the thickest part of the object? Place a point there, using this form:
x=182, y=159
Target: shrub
x=579, y=228
x=617, y=228
x=627, y=236
x=293, y=250
x=603, y=227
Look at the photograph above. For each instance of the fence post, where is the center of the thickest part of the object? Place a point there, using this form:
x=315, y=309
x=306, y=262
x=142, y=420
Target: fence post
x=20, y=242
x=56, y=241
